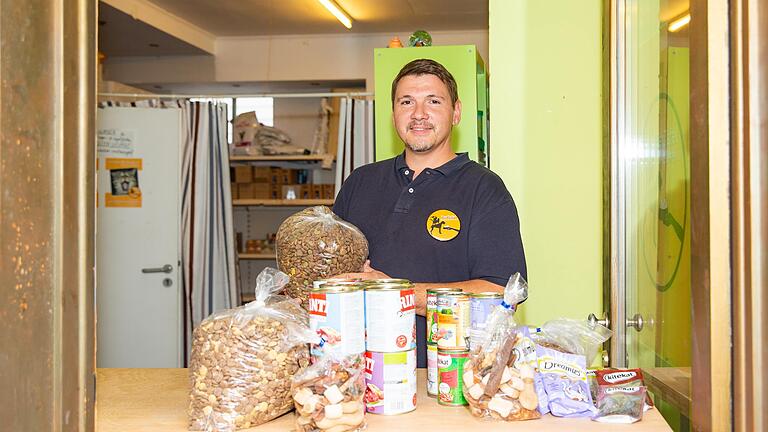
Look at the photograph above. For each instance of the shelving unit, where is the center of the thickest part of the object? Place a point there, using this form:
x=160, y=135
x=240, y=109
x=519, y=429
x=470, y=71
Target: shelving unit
x=282, y=202
x=257, y=256
x=270, y=211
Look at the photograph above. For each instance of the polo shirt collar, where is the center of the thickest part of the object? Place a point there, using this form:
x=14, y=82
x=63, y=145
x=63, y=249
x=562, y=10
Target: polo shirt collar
x=445, y=169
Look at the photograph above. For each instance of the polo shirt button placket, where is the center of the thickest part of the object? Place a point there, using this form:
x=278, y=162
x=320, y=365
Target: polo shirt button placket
x=410, y=190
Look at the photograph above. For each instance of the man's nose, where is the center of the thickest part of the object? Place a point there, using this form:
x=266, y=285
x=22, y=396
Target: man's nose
x=419, y=113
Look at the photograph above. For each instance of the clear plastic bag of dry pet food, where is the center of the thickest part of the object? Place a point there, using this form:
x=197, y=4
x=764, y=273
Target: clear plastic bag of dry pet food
x=495, y=382
x=329, y=394
x=315, y=244
x=573, y=336
x=243, y=359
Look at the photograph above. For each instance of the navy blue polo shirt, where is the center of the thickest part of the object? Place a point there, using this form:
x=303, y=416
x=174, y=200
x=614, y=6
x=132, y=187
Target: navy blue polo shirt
x=397, y=215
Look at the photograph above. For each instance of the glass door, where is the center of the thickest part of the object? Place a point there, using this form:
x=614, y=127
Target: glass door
x=651, y=198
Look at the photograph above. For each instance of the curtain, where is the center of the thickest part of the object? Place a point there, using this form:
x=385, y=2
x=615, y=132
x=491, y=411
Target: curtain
x=207, y=239
x=356, y=134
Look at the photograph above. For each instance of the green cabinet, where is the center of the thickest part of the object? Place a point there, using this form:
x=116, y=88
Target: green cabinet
x=464, y=62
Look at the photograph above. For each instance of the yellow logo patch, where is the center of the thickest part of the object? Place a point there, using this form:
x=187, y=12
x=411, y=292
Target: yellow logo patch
x=443, y=225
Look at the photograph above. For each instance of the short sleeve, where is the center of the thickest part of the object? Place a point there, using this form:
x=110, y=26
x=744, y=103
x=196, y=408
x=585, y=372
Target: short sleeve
x=344, y=197
x=495, y=245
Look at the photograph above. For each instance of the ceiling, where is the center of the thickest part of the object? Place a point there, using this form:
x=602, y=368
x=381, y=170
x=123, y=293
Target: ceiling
x=120, y=35
x=283, y=17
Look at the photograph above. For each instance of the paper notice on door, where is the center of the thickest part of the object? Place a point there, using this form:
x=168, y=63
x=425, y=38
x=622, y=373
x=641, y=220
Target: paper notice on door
x=117, y=142
x=124, y=182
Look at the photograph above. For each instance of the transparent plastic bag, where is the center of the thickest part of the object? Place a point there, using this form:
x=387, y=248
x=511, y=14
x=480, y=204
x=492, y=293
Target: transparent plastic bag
x=243, y=359
x=496, y=384
x=573, y=336
x=329, y=394
x=315, y=244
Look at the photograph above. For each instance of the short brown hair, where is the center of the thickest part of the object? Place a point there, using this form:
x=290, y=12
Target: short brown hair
x=427, y=67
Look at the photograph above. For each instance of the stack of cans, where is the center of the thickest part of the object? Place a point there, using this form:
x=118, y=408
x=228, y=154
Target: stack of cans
x=390, y=357
x=337, y=315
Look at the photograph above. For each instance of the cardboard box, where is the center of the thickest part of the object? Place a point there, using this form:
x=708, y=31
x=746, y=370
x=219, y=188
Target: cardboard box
x=243, y=174
x=306, y=191
x=262, y=190
x=317, y=191
x=289, y=176
x=234, y=191
x=245, y=190
x=275, y=191
x=276, y=176
x=262, y=174
x=328, y=191
x=291, y=192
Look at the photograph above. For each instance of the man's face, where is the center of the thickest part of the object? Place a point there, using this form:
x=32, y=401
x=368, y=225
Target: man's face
x=423, y=114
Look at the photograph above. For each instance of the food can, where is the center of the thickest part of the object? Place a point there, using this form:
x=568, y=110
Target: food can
x=450, y=376
x=390, y=315
x=431, y=311
x=432, y=370
x=318, y=283
x=390, y=382
x=452, y=320
x=337, y=314
x=480, y=307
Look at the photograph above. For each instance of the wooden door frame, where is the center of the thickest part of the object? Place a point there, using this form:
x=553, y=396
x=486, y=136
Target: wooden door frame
x=710, y=217
x=749, y=229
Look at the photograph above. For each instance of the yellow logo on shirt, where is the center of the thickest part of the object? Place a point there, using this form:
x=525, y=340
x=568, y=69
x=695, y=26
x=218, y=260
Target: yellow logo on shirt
x=443, y=225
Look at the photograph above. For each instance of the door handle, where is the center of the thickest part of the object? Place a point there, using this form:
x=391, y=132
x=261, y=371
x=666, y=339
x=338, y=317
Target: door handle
x=593, y=321
x=164, y=269
x=636, y=322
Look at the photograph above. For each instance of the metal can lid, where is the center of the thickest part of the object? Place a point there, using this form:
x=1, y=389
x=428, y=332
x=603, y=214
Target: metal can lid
x=387, y=284
x=452, y=351
x=489, y=294
x=321, y=282
x=443, y=289
x=453, y=294
x=338, y=286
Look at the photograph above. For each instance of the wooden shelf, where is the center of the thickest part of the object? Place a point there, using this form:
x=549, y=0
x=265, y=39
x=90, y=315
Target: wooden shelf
x=673, y=384
x=282, y=202
x=247, y=298
x=290, y=158
x=257, y=256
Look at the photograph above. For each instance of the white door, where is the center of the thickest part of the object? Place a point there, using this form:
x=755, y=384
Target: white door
x=137, y=238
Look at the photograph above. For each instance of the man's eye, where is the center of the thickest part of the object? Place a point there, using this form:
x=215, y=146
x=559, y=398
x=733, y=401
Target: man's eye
x=434, y=101
x=405, y=102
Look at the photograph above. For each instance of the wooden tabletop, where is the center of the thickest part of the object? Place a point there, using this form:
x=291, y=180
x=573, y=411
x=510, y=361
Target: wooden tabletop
x=155, y=400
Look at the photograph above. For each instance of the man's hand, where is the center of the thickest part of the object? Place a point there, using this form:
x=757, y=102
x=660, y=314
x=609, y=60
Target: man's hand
x=367, y=273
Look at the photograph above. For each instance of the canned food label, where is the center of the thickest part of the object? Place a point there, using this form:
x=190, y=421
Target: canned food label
x=390, y=382
x=432, y=370
x=339, y=320
x=450, y=370
x=390, y=317
x=479, y=311
x=452, y=322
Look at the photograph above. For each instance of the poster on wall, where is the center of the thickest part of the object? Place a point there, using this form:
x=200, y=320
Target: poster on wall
x=115, y=142
x=124, y=182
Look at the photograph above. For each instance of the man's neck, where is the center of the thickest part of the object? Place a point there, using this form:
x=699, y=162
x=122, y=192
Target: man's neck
x=418, y=162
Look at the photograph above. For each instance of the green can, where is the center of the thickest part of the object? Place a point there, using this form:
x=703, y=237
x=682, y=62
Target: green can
x=432, y=333
x=450, y=376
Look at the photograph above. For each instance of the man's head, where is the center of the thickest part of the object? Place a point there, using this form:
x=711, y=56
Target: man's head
x=425, y=105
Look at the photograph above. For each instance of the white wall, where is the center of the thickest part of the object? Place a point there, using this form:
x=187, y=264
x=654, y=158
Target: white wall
x=277, y=58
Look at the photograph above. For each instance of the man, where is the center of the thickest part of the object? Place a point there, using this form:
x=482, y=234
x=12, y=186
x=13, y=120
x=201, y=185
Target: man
x=430, y=215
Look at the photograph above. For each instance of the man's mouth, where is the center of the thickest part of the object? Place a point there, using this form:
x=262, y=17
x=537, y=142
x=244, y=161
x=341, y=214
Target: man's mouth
x=420, y=128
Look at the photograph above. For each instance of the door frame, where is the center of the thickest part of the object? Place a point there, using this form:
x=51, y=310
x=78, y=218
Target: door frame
x=711, y=378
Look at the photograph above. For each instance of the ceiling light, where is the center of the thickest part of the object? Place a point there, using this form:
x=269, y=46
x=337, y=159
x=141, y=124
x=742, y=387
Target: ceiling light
x=338, y=12
x=679, y=23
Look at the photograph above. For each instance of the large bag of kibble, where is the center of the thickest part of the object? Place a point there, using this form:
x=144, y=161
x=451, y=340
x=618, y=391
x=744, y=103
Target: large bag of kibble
x=499, y=379
x=329, y=395
x=316, y=244
x=243, y=359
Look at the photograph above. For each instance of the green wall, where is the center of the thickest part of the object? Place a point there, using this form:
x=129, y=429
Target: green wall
x=545, y=69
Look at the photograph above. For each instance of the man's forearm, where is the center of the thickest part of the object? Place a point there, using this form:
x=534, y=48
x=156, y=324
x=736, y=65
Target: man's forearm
x=470, y=286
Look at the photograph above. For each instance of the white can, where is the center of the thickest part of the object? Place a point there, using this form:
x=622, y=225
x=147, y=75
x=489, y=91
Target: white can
x=432, y=370
x=390, y=315
x=337, y=314
x=390, y=380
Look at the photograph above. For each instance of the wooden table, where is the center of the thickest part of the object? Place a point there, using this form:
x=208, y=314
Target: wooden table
x=155, y=400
